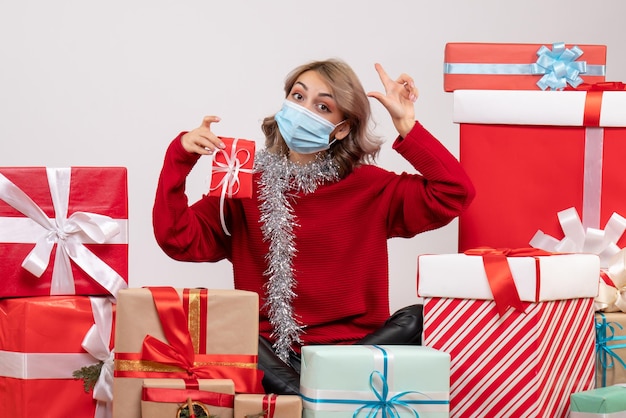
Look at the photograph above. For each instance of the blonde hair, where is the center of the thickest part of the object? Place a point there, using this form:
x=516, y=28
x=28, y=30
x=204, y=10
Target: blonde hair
x=360, y=145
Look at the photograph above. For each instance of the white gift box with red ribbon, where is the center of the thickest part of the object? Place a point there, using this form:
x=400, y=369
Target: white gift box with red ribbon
x=511, y=362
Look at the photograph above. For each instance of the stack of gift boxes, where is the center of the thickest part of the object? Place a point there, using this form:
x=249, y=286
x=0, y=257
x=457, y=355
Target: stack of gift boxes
x=64, y=246
x=531, y=307
x=76, y=341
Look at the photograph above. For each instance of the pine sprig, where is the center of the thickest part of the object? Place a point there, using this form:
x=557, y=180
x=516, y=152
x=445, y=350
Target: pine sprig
x=89, y=375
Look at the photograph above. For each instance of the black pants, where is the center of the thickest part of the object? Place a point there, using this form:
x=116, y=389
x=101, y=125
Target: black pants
x=404, y=327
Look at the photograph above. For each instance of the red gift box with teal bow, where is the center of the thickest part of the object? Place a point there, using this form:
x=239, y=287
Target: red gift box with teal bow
x=517, y=66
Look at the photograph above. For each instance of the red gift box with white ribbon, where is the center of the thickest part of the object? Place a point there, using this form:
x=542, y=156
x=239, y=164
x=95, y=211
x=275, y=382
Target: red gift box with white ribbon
x=63, y=231
x=44, y=340
x=534, y=154
x=231, y=172
x=518, y=325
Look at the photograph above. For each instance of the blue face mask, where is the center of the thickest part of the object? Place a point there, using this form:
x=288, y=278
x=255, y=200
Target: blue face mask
x=304, y=131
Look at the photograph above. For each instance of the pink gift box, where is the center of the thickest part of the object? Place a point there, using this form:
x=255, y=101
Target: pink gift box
x=518, y=363
x=63, y=230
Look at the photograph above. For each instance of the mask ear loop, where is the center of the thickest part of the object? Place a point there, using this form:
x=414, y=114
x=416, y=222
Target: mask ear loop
x=331, y=142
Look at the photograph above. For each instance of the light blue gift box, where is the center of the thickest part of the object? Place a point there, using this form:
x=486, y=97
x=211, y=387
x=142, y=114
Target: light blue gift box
x=608, y=402
x=348, y=381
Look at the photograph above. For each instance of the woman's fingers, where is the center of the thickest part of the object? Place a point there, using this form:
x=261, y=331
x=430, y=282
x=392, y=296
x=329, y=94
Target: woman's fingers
x=202, y=140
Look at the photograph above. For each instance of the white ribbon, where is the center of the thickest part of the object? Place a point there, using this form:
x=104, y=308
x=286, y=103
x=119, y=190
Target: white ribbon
x=230, y=182
x=613, y=298
x=592, y=172
x=42, y=365
x=577, y=239
x=96, y=343
x=68, y=233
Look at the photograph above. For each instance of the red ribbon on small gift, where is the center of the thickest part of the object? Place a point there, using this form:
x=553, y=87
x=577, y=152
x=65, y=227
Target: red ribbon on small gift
x=222, y=400
x=269, y=405
x=499, y=274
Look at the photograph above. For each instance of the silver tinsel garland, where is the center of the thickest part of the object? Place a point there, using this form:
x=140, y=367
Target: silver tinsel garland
x=280, y=181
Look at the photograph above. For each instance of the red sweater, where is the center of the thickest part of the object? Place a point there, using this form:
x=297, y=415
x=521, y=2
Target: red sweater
x=341, y=264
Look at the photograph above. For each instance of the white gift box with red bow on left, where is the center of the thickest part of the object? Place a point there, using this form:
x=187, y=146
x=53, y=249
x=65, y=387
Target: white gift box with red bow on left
x=63, y=231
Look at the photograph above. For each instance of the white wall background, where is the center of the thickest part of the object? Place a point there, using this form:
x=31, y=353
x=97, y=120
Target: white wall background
x=112, y=82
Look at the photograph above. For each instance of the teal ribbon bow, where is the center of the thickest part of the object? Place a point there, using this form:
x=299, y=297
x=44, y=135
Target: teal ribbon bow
x=559, y=66
x=386, y=406
x=605, y=333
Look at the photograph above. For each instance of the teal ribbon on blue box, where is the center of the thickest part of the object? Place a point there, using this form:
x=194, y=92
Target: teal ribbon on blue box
x=605, y=334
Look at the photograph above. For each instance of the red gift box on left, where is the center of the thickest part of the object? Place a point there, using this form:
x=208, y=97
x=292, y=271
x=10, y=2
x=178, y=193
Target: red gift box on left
x=63, y=231
x=44, y=340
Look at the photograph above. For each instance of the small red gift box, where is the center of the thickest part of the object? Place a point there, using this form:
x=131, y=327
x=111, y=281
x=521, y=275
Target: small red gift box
x=536, y=158
x=43, y=341
x=499, y=66
x=63, y=230
x=231, y=174
x=523, y=362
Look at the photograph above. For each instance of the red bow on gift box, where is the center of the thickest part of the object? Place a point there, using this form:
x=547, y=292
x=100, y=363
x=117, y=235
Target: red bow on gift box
x=499, y=274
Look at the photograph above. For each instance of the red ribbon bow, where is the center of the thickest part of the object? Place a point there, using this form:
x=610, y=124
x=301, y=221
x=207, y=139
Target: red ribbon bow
x=180, y=353
x=499, y=274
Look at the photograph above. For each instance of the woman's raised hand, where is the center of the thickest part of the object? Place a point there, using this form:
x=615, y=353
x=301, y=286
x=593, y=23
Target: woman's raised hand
x=399, y=98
